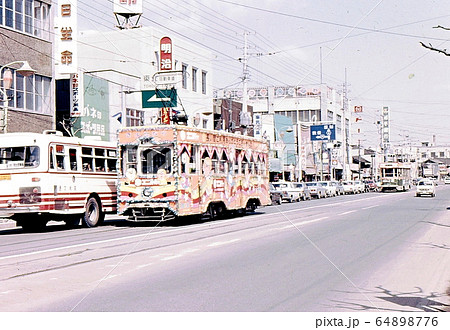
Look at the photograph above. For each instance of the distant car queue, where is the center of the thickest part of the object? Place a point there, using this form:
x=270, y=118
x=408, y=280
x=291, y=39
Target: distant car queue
x=297, y=191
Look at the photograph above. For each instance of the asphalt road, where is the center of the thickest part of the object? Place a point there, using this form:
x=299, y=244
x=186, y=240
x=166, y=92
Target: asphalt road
x=368, y=252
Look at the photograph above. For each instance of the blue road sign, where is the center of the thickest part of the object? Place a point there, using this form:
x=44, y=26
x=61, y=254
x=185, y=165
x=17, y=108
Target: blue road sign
x=159, y=98
x=325, y=132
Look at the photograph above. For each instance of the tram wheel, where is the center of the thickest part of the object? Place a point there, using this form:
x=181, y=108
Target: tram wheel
x=93, y=215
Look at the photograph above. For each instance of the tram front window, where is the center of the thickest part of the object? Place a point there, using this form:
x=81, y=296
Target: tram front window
x=156, y=158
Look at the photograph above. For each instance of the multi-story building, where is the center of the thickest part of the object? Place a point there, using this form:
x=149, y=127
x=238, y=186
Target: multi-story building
x=303, y=106
x=26, y=34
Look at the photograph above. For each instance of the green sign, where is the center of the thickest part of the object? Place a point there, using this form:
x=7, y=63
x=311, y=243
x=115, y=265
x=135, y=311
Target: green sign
x=159, y=98
x=94, y=119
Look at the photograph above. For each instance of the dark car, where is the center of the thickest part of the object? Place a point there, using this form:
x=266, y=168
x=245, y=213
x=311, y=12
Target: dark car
x=371, y=185
x=275, y=195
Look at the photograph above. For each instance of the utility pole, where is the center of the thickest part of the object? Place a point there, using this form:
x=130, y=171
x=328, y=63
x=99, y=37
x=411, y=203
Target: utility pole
x=346, y=132
x=244, y=119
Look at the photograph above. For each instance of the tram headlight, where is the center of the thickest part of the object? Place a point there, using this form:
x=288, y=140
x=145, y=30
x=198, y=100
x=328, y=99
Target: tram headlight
x=131, y=174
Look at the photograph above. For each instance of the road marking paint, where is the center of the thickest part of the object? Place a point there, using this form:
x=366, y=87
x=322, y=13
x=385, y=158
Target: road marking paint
x=143, y=266
x=348, y=212
x=369, y=207
x=172, y=230
x=224, y=242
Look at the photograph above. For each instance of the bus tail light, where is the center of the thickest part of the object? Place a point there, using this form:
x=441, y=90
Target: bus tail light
x=35, y=179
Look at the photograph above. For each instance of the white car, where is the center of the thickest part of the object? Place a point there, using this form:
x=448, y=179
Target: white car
x=447, y=180
x=330, y=187
x=360, y=186
x=349, y=187
x=292, y=191
x=316, y=189
x=426, y=187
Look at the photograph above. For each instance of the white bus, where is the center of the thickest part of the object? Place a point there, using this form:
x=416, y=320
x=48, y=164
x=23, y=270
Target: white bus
x=52, y=177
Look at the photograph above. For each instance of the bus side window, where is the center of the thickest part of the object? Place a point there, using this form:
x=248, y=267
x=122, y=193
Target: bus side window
x=73, y=159
x=60, y=157
x=60, y=162
x=52, y=162
x=87, y=159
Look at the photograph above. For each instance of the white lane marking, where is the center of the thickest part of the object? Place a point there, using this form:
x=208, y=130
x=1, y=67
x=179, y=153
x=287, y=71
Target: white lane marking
x=369, y=207
x=348, y=212
x=224, y=242
x=170, y=230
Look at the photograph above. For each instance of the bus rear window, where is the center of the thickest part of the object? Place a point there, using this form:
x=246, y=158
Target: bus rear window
x=19, y=157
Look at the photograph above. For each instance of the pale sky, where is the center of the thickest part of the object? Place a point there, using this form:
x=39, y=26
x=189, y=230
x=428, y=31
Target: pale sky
x=375, y=42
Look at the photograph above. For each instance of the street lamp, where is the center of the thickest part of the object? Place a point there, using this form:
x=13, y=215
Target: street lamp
x=7, y=78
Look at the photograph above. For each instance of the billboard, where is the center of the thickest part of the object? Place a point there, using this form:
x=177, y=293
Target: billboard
x=128, y=7
x=325, y=132
x=94, y=117
x=165, y=54
x=385, y=128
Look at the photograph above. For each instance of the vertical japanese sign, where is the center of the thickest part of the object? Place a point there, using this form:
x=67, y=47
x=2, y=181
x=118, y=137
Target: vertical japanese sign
x=76, y=102
x=165, y=54
x=66, y=38
x=385, y=122
x=165, y=116
x=94, y=117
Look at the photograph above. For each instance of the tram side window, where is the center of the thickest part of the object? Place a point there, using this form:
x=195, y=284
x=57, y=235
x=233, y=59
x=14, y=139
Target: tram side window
x=184, y=162
x=236, y=162
x=215, y=163
x=193, y=160
x=223, y=167
x=244, y=165
x=129, y=158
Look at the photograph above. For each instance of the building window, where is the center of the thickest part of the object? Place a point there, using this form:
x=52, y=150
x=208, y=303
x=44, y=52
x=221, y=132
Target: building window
x=329, y=115
x=194, y=79
x=184, y=76
x=29, y=16
x=203, y=82
x=135, y=117
x=30, y=93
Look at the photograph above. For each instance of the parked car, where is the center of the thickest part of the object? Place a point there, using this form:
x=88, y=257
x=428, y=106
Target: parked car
x=359, y=186
x=426, y=187
x=349, y=187
x=293, y=191
x=276, y=196
x=339, y=187
x=316, y=189
x=329, y=187
x=371, y=185
x=447, y=180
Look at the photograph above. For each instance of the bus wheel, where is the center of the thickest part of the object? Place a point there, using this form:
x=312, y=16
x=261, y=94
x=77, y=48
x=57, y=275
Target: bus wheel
x=93, y=216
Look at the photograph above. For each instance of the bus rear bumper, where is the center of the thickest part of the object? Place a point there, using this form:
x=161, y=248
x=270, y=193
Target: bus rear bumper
x=10, y=211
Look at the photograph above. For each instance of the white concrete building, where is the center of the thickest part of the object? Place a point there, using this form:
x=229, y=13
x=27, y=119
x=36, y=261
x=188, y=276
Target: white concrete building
x=127, y=60
x=305, y=106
